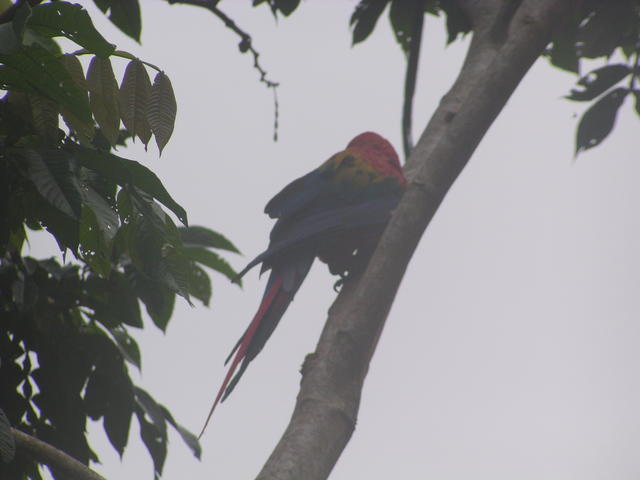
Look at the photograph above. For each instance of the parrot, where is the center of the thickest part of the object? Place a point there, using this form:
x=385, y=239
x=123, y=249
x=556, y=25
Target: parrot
x=335, y=213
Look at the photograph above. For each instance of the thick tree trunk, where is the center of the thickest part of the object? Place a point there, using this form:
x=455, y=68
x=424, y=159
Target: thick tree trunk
x=509, y=35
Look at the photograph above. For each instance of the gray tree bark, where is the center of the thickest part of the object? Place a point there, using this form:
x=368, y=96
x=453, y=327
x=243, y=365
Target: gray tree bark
x=508, y=36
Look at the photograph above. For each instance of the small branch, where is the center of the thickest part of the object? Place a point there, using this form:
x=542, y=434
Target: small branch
x=55, y=459
x=245, y=45
x=410, y=79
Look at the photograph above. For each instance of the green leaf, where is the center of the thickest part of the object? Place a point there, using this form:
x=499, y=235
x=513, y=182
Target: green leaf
x=134, y=100
x=34, y=69
x=103, y=97
x=106, y=217
x=49, y=171
x=85, y=131
x=364, y=18
x=211, y=260
x=127, y=345
x=611, y=24
x=162, y=110
x=597, y=122
x=598, y=81
x=128, y=172
x=71, y=21
x=45, y=118
x=197, y=236
x=158, y=299
x=95, y=249
x=200, y=285
x=124, y=14
x=11, y=33
x=637, y=105
x=286, y=7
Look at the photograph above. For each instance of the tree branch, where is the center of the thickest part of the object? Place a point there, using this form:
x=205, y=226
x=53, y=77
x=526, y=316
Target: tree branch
x=327, y=405
x=55, y=459
x=245, y=45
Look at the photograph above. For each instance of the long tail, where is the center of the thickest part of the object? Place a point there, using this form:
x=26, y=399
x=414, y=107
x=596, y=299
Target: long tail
x=282, y=286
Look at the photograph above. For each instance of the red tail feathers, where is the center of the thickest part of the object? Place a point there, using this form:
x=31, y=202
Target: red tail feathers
x=245, y=341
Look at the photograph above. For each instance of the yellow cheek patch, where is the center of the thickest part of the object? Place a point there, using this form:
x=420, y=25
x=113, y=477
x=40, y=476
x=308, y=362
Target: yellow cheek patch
x=351, y=171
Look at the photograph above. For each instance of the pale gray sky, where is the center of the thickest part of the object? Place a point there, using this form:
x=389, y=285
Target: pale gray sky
x=512, y=348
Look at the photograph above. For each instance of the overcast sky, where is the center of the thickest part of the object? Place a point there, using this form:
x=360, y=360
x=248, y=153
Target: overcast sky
x=512, y=348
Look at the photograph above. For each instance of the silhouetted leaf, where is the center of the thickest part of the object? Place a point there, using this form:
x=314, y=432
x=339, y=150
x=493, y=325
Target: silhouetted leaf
x=71, y=21
x=162, y=110
x=49, y=171
x=598, y=121
x=402, y=15
x=457, y=21
x=95, y=249
x=158, y=299
x=364, y=18
x=598, y=81
x=127, y=345
x=197, y=236
x=211, y=260
x=189, y=438
x=134, y=100
x=11, y=33
x=610, y=25
x=103, y=97
x=637, y=105
x=34, y=69
x=125, y=14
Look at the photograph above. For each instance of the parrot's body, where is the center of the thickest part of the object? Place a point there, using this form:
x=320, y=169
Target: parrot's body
x=330, y=213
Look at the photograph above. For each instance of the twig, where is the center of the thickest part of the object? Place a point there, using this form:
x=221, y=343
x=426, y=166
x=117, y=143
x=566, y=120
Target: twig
x=410, y=79
x=245, y=45
x=56, y=459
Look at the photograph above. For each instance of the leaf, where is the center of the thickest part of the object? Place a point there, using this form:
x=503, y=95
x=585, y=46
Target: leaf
x=127, y=345
x=189, y=438
x=106, y=217
x=155, y=442
x=34, y=69
x=597, y=122
x=403, y=18
x=7, y=444
x=95, y=249
x=637, y=105
x=162, y=110
x=103, y=97
x=124, y=14
x=71, y=21
x=457, y=21
x=49, y=171
x=11, y=33
x=598, y=81
x=286, y=7
x=364, y=18
x=197, y=236
x=158, y=299
x=117, y=419
x=200, y=285
x=45, y=118
x=85, y=131
x=211, y=260
x=134, y=100
x=128, y=172
x=610, y=25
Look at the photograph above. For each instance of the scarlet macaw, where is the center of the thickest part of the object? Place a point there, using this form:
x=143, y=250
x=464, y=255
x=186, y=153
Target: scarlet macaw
x=337, y=209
